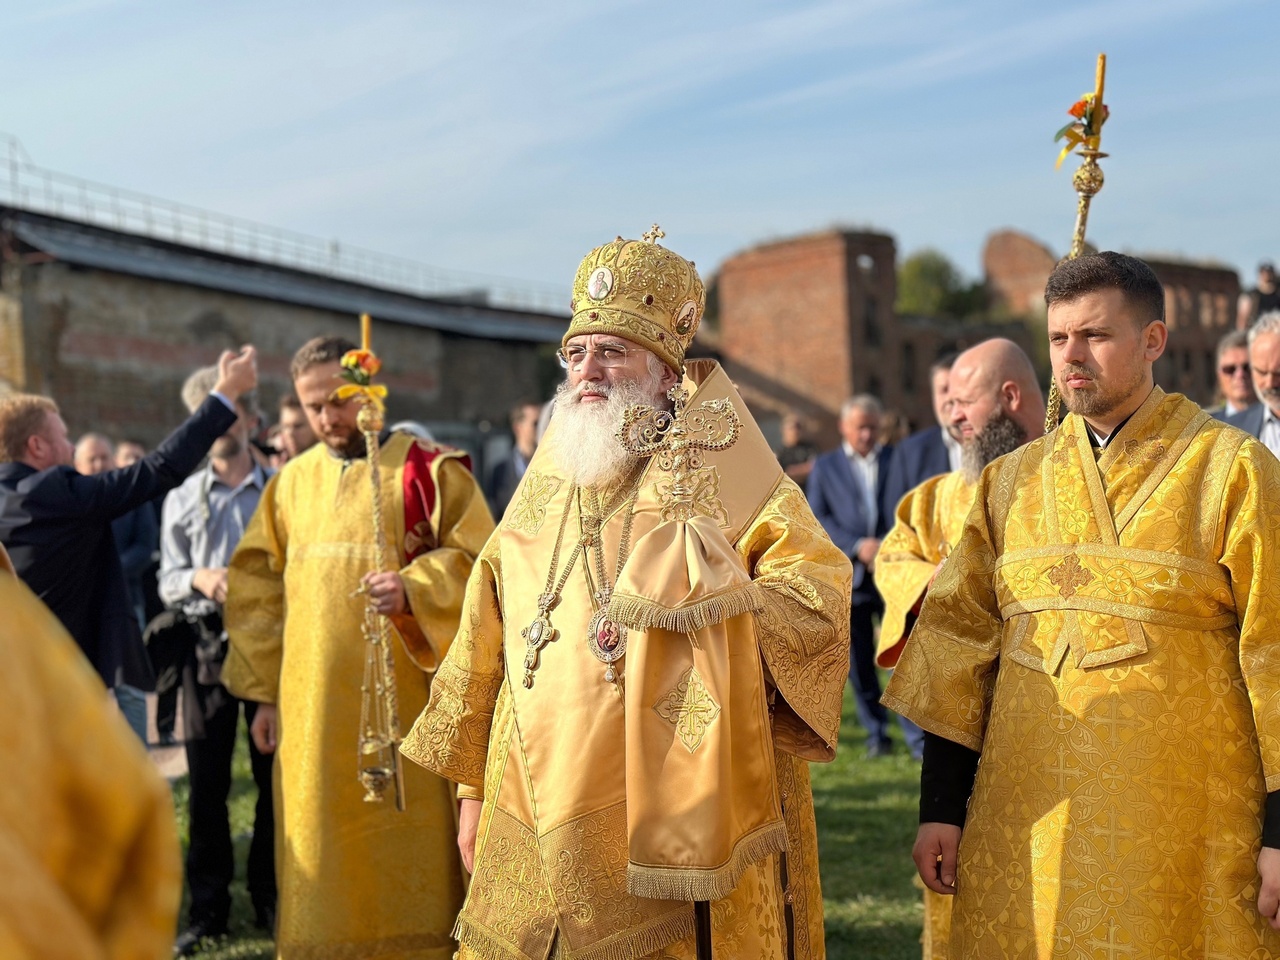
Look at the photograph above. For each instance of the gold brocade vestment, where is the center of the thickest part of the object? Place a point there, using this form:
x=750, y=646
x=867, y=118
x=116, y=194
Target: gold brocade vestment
x=356, y=879
x=927, y=523
x=1105, y=633
x=89, y=866
x=550, y=761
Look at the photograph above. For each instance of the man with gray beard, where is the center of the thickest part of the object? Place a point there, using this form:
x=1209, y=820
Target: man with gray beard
x=996, y=407
x=1262, y=420
x=653, y=647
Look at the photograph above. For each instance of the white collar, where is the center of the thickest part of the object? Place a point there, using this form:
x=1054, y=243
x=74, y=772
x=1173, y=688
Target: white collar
x=853, y=454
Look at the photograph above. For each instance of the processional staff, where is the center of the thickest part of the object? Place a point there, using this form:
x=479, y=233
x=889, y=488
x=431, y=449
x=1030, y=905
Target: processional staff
x=1085, y=132
x=378, y=757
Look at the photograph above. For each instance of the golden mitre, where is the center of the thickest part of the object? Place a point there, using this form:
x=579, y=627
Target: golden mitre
x=641, y=291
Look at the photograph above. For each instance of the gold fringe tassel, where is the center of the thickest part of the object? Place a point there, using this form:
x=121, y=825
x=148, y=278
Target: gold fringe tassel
x=482, y=942
x=641, y=942
x=639, y=613
x=701, y=883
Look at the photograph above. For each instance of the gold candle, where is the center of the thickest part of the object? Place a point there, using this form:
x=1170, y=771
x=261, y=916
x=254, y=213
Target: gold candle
x=366, y=323
x=1098, y=84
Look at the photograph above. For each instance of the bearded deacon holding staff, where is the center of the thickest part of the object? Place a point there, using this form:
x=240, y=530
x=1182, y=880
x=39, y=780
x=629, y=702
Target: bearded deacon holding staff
x=1102, y=645
x=652, y=645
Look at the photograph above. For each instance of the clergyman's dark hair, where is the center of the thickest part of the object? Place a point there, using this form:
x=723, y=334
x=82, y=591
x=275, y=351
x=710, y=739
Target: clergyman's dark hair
x=1073, y=279
x=946, y=360
x=316, y=351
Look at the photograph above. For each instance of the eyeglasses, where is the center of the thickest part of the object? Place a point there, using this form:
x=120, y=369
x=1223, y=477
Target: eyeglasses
x=1230, y=369
x=605, y=354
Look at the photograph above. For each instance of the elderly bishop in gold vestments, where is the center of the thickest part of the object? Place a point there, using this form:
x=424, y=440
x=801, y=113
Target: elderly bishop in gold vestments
x=1102, y=647
x=356, y=879
x=996, y=406
x=654, y=644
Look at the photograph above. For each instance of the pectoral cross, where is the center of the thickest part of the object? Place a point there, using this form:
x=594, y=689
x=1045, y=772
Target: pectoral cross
x=678, y=439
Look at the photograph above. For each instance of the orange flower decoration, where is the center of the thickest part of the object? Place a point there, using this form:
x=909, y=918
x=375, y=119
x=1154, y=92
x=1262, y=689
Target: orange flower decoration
x=366, y=361
x=1078, y=108
x=358, y=369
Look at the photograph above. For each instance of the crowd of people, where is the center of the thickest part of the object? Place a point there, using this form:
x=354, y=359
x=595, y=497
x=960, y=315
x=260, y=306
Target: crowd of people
x=611, y=695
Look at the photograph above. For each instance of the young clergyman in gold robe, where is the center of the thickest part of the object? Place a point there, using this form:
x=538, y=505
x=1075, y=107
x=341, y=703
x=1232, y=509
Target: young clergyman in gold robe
x=652, y=649
x=355, y=878
x=89, y=866
x=1103, y=636
x=996, y=406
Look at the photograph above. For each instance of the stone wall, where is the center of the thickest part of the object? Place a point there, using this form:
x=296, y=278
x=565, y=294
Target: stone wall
x=114, y=349
x=1016, y=267
x=807, y=322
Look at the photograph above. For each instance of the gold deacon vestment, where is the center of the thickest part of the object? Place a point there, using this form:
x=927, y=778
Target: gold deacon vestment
x=356, y=879
x=1105, y=634
x=927, y=523
x=89, y=866
x=551, y=761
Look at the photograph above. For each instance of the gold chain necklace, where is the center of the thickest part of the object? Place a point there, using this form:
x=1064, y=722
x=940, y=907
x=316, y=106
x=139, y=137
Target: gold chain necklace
x=540, y=630
x=607, y=639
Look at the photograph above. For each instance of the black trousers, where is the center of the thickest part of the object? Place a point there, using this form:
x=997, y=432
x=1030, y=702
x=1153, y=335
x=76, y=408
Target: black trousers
x=210, y=856
x=862, y=669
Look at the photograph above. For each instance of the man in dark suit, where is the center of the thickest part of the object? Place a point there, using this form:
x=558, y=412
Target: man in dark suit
x=929, y=452
x=1235, y=384
x=846, y=492
x=1262, y=420
x=507, y=473
x=56, y=523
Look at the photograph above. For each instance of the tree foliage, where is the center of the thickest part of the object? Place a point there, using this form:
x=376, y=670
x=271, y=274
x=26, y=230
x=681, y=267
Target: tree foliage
x=930, y=285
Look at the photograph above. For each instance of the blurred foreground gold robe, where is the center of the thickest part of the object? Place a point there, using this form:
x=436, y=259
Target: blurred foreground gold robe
x=552, y=852
x=89, y=866
x=927, y=524
x=1107, y=634
x=356, y=879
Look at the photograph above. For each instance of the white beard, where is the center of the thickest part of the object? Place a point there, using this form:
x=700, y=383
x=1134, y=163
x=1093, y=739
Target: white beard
x=584, y=441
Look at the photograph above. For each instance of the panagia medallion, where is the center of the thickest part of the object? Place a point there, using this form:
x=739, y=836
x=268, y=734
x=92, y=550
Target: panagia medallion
x=607, y=641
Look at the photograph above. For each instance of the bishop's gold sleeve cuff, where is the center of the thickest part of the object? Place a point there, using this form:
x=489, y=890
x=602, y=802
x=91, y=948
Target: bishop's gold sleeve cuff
x=451, y=737
x=803, y=628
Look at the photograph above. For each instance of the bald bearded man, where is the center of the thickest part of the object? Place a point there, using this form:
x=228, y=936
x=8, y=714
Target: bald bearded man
x=996, y=406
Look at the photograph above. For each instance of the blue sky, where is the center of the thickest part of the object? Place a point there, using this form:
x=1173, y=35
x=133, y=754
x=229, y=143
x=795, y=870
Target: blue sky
x=509, y=138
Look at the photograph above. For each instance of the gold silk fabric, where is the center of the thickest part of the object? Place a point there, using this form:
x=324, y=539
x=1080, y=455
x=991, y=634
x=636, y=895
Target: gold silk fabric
x=356, y=879
x=553, y=762
x=89, y=866
x=1105, y=633
x=927, y=524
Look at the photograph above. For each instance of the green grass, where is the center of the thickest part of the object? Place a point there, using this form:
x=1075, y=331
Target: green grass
x=866, y=824
x=866, y=813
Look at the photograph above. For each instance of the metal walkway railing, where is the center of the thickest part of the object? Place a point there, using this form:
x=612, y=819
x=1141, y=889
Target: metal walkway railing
x=26, y=186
